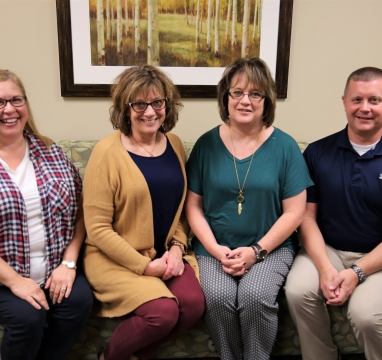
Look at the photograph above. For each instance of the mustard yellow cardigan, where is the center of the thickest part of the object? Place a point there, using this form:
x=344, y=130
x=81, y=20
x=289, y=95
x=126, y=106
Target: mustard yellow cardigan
x=120, y=229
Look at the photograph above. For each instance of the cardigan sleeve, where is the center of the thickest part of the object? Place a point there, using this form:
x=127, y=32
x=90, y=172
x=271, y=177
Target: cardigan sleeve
x=103, y=210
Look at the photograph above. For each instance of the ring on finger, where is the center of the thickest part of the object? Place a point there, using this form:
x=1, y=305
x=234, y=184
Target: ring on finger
x=63, y=288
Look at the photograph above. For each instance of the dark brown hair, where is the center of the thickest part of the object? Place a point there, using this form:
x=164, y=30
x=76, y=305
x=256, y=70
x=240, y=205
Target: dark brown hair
x=257, y=73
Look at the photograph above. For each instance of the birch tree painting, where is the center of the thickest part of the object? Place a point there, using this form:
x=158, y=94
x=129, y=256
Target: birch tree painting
x=153, y=34
x=126, y=19
x=100, y=33
x=176, y=33
x=119, y=27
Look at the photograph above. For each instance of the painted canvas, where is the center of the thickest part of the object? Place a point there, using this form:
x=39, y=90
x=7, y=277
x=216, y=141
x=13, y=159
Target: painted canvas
x=174, y=33
x=191, y=40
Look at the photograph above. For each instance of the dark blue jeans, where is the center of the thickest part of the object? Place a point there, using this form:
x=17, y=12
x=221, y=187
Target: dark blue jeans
x=31, y=334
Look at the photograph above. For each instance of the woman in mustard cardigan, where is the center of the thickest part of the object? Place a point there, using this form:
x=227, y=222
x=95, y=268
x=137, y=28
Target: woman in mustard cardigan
x=136, y=257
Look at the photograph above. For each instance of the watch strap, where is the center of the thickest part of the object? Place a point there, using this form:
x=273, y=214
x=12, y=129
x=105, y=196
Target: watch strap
x=258, y=247
x=361, y=275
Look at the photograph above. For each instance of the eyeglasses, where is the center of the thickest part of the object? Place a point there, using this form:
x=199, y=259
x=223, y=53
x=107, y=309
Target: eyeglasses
x=254, y=96
x=141, y=106
x=16, y=101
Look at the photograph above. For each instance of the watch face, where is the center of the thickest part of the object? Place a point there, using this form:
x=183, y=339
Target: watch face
x=70, y=264
x=263, y=253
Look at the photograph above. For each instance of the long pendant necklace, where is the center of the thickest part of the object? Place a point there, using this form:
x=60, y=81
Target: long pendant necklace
x=149, y=152
x=240, y=198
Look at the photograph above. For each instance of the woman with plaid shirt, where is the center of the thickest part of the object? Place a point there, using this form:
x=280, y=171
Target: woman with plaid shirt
x=44, y=301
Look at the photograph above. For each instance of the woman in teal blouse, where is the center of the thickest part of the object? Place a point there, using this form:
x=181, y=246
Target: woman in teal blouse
x=246, y=197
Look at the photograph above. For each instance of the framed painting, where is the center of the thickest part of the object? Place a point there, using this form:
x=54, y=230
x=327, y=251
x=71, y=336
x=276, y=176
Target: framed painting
x=195, y=59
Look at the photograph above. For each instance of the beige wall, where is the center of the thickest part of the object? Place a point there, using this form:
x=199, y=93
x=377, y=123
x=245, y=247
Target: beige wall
x=330, y=39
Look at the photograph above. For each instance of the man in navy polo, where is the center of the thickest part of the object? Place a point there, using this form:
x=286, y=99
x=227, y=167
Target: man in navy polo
x=341, y=232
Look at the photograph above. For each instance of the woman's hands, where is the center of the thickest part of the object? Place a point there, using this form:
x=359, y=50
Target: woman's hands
x=60, y=283
x=238, y=261
x=28, y=290
x=175, y=265
x=169, y=265
x=24, y=288
x=157, y=267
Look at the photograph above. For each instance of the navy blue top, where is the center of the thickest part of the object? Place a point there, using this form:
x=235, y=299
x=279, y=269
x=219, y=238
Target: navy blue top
x=348, y=191
x=165, y=180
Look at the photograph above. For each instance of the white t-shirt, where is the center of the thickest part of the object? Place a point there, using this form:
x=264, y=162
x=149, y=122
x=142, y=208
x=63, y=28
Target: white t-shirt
x=362, y=149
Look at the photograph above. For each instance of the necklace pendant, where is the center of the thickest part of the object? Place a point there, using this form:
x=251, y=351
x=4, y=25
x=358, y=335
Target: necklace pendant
x=239, y=208
x=240, y=198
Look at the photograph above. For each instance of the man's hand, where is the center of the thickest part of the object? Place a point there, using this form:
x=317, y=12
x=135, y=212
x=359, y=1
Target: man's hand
x=343, y=286
x=327, y=282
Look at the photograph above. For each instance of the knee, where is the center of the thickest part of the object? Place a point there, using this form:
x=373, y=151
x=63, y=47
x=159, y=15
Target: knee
x=165, y=314
x=218, y=302
x=298, y=292
x=262, y=300
x=365, y=321
x=193, y=304
x=29, y=319
x=294, y=294
x=81, y=297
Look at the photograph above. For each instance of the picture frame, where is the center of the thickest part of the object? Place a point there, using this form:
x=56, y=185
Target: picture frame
x=69, y=88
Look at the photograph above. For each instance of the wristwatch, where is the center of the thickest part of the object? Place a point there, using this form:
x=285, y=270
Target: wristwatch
x=70, y=264
x=261, y=253
x=177, y=243
x=361, y=275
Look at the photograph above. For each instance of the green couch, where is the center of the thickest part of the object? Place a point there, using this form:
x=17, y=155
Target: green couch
x=196, y=342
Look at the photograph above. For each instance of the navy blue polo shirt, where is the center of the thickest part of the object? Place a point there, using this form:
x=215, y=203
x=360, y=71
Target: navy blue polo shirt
x=348, y=191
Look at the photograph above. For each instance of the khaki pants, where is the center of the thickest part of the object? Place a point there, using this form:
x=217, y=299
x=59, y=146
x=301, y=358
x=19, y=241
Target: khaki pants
x=309, y=312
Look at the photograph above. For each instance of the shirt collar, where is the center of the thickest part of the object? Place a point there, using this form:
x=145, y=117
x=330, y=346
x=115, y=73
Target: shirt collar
x=344, y=143
x=34, y=148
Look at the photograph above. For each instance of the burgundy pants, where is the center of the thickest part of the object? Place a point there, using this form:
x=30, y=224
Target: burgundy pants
x=158, y=321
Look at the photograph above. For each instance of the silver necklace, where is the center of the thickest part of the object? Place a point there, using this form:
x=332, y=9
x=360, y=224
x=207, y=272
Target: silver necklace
x=149, y=152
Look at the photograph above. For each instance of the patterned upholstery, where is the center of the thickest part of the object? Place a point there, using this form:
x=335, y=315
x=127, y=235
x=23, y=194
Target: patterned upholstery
x=196, y=342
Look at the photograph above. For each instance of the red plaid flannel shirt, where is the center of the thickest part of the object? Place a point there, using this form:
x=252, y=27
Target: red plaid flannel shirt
x=59, y=185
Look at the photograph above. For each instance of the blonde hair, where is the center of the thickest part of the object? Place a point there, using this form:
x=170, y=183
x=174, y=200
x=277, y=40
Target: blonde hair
x=368, y=73
x=30, y=124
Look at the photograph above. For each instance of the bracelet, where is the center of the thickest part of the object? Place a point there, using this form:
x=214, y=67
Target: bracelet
x=177, y=243
x=256, y=253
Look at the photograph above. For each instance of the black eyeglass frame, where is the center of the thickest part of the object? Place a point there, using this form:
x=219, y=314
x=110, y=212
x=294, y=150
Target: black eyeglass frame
x=147, y=105
x=10, y=101
x=243, y=94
